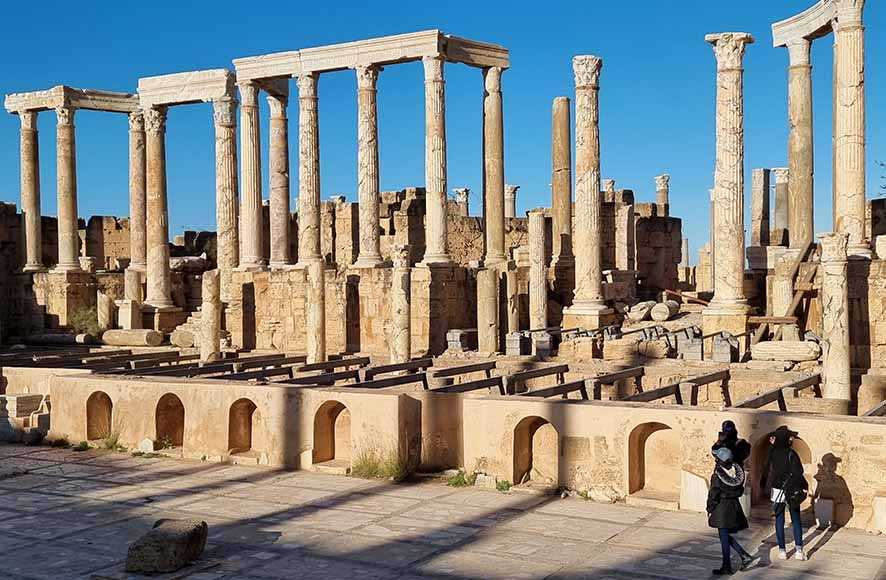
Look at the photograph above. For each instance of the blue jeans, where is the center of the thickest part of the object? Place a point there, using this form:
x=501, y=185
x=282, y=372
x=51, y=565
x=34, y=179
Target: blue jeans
x=779, y=509
x=727, y=541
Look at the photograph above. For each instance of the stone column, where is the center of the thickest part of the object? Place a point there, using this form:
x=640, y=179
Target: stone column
x=800, y=150
x=401, y=323
x=511, y=201
x=835, y=316
x=137, y=220
x=278, y=164
x=684, y=254
x=308, y=170
x=462, y=198
x=66, y=175
x=849, y=136
x=561, y=181
x=226, y=203
x=487, y=310
x=493, y=167
x=728, y=309
x=315, y=327
x=210, y=317
x=662, y=194
x=588, y=307
x=760, y=207
x=435, y=162
x=512, y=291
x=367, y=167
x=30, y=182
x=538, y=279
x=779, y=234
x=159, y=287
x=609, y=190
x=250, y=180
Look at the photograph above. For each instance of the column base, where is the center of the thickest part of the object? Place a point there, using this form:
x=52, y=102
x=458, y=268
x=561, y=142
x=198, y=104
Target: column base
x=303, y=263
x=253, y=267
x=368, y=262
x=860, y=251
x=129, y=315
x=30, y=268
x=587, y=315
x=731, y=317
x=282, y=266
x=162, y=318
x=62, y=268
x=438, y=259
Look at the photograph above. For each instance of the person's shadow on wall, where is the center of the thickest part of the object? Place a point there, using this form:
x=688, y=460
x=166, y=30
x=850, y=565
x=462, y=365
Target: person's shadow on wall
x=829, y=485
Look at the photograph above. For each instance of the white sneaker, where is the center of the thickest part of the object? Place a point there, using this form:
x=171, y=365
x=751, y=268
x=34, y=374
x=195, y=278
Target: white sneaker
x=782, y=554
x=800, y=554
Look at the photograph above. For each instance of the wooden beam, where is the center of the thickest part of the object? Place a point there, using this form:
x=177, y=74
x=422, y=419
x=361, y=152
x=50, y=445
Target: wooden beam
x=878, y=411
x=772, y=320
x=413, y=365
x=325, y=379
x=764, y=399
x=562, y=390
x=463, y=370
x=473, y=386
x=359, y=361
x=394, y=381
x=558, y=370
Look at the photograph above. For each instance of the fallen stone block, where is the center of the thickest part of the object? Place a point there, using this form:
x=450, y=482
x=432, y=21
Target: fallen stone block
x=640, y=311
x=183, y=338
x=133, y=337
x=664, y=310
x=170, y=546
x=786, y=350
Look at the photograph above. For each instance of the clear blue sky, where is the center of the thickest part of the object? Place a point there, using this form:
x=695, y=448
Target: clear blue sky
x=657, y=92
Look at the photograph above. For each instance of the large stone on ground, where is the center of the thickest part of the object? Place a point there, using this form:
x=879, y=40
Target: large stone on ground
x=170, y=546
x=664, y=310
x=640, y=311
x=133, y=337
x=786, y=350
x=183, y=338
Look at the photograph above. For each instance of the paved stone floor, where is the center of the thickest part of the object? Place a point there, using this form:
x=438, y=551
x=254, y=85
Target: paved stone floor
x=72, y=515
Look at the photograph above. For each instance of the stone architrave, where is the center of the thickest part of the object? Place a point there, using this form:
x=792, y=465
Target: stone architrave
x=315, y=328
x=159, y=286
x=728, y=309
x=66, y=176
x=435, y=162
x=462, y=199
x=511, y=201
x=835, y=316
x=210, y=317
x=538, y=279
x=663, y=194
x=800, y=145
x=779, y=232
x=226, y=202
x=367, y=167
x=760, y=207
x=561, y=181
x=493, y=167
x=250, y=179
x=278, y=166
x=849, y=131
x=487, y=310
x=400, y=341
x=30, y=184
x=308, y=170
x=137, y=218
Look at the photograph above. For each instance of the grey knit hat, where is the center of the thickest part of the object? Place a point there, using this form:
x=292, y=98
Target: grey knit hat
x=723, y=454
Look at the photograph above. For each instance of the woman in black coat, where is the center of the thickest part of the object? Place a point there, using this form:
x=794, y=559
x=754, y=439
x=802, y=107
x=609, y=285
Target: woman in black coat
x=728, y=438
x=783, y=471
x=724, y=509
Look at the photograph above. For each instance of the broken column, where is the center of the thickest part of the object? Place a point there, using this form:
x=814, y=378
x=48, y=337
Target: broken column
x=400, y=340
x=278, y=167
x=487, y=310
x=250, y=179
x=779, y=234
x=609, y=190
x=137, y=200
x=800, y=146
x=561, y=183
x=105, y=311
x=315, y=327
x=30, y=183
x=435, y=162
x=538, y=280
x=210, y=317
x=129, y=314
x=226, y=210
x=494, y=168
x=760, y=207
x=159, y=286
x=308, y=170
x=66, y=176
x=836, y=366
x=462, y=199
x=367, y=167
x=511, y=201
x=662, y=194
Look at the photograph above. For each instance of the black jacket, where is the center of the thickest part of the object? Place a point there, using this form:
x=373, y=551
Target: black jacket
x=724, y=509
x=740, y=448
x=783, y=468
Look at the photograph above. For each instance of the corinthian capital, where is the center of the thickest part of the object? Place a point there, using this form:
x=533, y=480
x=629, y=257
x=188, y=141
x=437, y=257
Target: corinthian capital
x=29, y=120
x=224, y=112
x=248, y=94
x=834, y=247
x=492, y=79
x=65, y=115
x=849, y=12
x=277, y=104
x=433, y=68
x=137, y=121
x=798, y=51
x=587, y=70
x=729, y=48
x=307, y=85
x=367, y=75
x=155, y=120
x=662, y=182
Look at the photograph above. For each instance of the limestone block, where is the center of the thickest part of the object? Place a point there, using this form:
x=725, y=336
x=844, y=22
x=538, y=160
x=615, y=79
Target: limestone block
x=105, y=311
x=786, y=350
x=664, y=310
x=878, y=519
x=641, y=311
x=517, y=344
x=183, y=338
x=146, y=445
x=133, y=337
x=129, y=314
x=87, y=264
x=693, y=492
x=542, y=344
x=880, y=247
x=189, y=264
x=621, y=349
x=871, y=393
x=725, y=348
x=170, y=546
x=658, y=348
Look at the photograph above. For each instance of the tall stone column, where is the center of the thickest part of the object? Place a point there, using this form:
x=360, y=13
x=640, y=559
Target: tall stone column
x=588, y=307
x=728, y=309
x=30, y=183
x=684, y=254
x=308, y=170
x=487, y=310
x=511, y=201
x=401, y=297
x=159, y=286
x=779, y=234
x=462, y=199
x=66, y=176
x=250, y=180
x=760, y=207
x=663, y=194
x=538, y=279
x=278, y=164
x=210, y=317
x=800, y=150
x=493, y=167
x=226, y=203
x=315, y=327
x=849, y=136
x=835, y=316
x=436, y=250
x=367, y=167
x=137, y=169
x=561, y=181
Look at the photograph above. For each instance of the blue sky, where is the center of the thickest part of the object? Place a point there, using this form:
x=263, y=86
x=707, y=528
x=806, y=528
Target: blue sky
x=657, y=92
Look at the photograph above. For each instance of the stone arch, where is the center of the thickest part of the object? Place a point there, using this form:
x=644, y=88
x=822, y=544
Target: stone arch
x=99, y=410
x=170, y=420
x=536, y=452
x=242, y=419
x=758, y=460
x=654, y=461
x=332, y=433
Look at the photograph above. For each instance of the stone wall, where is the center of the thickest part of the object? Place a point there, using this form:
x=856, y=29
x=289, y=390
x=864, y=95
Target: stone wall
x=107, y=240
x=659, y=241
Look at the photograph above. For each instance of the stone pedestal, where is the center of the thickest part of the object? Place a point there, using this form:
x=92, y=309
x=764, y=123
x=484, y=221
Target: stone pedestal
x=210, y=317
x=129, y=314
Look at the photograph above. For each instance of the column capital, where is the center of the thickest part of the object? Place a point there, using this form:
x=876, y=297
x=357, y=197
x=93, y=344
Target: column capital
x=307, y=85
x=834, y=247
x=155, y=120
x=492, y=79
x=278, y=104
x=462, y=194
x=662, y=182
x=586, y=69
x=224, y=112
x=729, y=48
x=781, y=174
x=367, y=76
x=248, y=93
x=137, y=121
x=511, y=190
x=609, y=185
x=849, y=12
x=433, y=68
x=400, y=255
x=65, y=115
x=798, y=52
x=28, y=120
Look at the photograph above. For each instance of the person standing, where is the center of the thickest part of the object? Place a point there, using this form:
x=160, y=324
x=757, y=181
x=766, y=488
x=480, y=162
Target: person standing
x=728, y=437
x=783, y=470
x=724, y=509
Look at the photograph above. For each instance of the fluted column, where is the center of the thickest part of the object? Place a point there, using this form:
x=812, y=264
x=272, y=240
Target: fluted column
x=401, y=298
x=800, y=149
x=493, y=167
x=250, y=180
x=511, y=201
x=779, y=234
x=315, y=328
x=663, y=194
x=760, y=207
x=159, y=287
x=210, y=317
x=367, y=167
x=66, y=176
x=836, y=367
x=137, y=219
x=308, y=170
x=226, y=203
x=561, y=180
x=30, y=184
x=538, y=279
x=849, y=117
x=684, y=254
x=278, y=165
x=436, y=250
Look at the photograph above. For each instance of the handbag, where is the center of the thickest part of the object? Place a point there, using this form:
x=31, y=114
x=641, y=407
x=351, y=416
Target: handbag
x=793, y=497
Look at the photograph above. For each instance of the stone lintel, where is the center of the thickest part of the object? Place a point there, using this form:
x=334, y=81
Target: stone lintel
x=810, y=24
x=186, y=87
x=277, y=65
x=475, y=53
x=64, y=96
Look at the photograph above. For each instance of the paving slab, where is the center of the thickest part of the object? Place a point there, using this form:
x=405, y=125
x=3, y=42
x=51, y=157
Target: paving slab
x=496, y=500
x=436, y=533
x=42, y=562
x=564, y=527
x=474, y=565
x=582, y=508
x=300, y=566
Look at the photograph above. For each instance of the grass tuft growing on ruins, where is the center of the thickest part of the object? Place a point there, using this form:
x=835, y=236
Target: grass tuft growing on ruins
x=82, y=446
x=85, y=321
x=503, y=485
x=112, y=442
x=461, y=479
x=378, y=465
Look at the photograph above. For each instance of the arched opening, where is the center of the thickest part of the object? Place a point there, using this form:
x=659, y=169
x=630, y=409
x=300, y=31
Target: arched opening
x=759, y=495
x=332, y=435
x=654, y=463
x=98, y=416
x=170, y=422
x=536, y=453
x=241, y=420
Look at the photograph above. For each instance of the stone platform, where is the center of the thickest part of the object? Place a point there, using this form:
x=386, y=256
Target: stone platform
x=73, y=514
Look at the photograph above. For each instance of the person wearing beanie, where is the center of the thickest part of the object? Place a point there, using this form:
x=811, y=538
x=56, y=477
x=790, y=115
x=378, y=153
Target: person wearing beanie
x=724, y=509
x=783, y=470
x=728, y=438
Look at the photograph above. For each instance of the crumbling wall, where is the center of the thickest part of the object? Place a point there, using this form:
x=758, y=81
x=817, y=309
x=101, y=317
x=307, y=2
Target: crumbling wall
x=107, y=240
x=659, y=241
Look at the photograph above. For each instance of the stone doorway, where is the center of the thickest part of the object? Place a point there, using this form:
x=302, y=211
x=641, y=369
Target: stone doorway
x=241, y=420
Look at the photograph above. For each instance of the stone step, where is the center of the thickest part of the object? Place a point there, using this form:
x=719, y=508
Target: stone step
x=656, y=500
